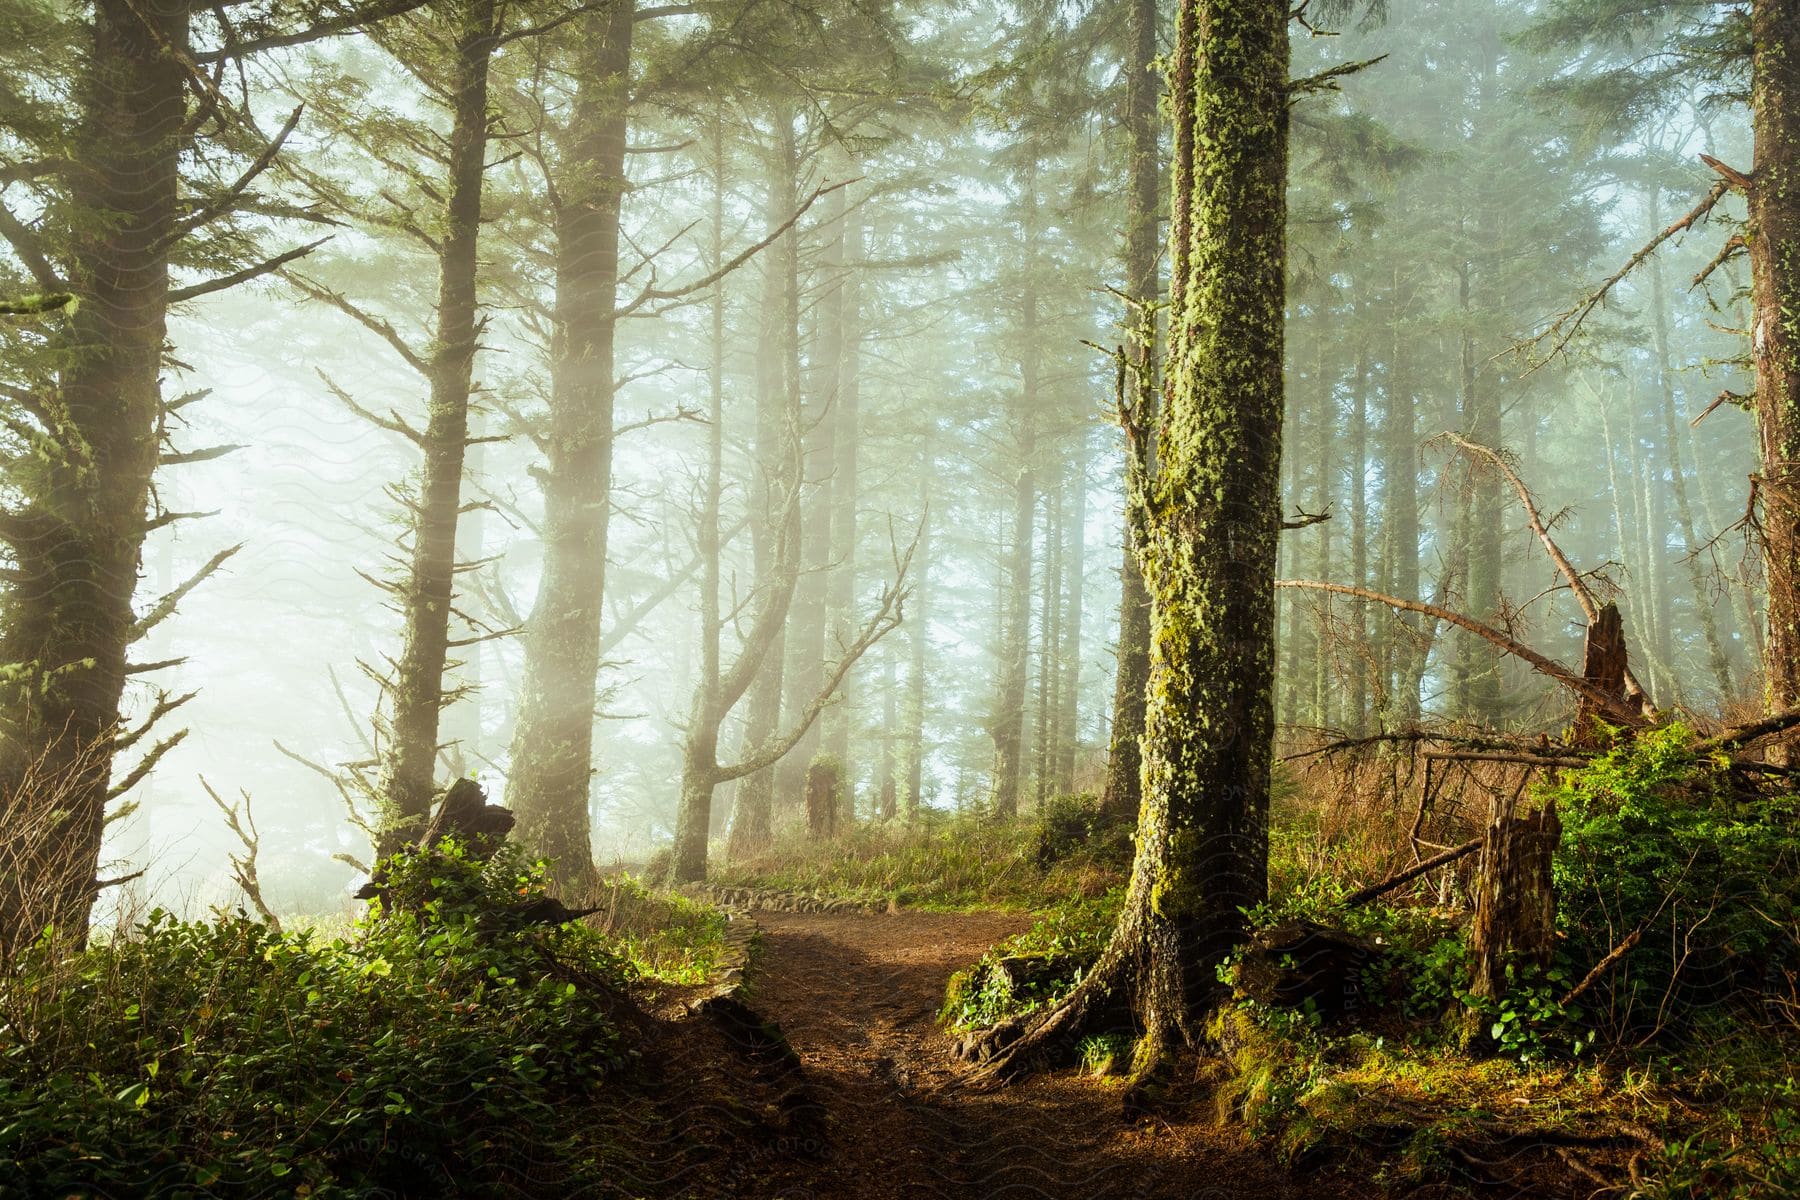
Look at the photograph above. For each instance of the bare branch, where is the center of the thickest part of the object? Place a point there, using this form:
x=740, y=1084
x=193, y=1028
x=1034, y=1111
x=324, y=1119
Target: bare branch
x=271, y=266
x=164, y=608
x=652, y=293
x=1547, y=666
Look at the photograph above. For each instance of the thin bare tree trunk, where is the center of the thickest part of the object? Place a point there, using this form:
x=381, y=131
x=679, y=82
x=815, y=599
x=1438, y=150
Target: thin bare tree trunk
x=1122, y=789
x=416, y=695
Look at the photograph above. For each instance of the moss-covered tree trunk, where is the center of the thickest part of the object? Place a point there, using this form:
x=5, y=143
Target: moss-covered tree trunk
x=552, y=747
x=1211, y=518
x=1120, y=792
x=75, y=525
x=416, y=695
x=1774, y=240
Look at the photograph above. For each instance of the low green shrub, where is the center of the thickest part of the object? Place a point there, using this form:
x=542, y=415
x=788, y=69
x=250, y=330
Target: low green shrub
x=1033, y=969
x=448, y=1046
x=1661, y=840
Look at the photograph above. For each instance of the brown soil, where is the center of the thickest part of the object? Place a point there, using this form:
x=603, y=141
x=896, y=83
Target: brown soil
x=875, y=1111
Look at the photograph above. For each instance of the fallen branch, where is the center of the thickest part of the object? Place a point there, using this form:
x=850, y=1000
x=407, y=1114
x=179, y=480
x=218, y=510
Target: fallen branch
x=1366, y=894
x=1740, y=736
x=1590, y=608
x=1612, y=705
x=1602, y=967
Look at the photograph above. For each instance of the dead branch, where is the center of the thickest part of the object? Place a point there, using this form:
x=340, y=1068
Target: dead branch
x=276, y=265
x=242, y=823
x=1365, y=894
x=652, y=293
x=1563, y=329
x=164, y=608
x=1542, y=663
x=1742, y=735
x=1602, y=967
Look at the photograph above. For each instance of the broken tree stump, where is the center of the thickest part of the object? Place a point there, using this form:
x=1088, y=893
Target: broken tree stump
x=1515, y=902
x=464, y=814
x=1604, y=663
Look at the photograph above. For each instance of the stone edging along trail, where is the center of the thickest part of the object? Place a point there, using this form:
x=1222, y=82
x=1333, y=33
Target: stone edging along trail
x=749, y=899
x=742, y=930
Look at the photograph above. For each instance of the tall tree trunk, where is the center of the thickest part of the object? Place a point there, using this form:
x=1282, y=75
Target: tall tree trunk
x=416, y=695
x=1355, y=716
x=1008, y=719
x=777, y=379
x=1068, y=689
x=700, y=746
x=1400, y=511
x=1122, y=788
x=1049, y=640
x=1671, y=433
x=1478, y=512
x=551, y=759
x=839, y=719
x=806, y=640
x=1774, y=239
x=1212, y=516
x=918, y=639
x=77, y=531
x=886, y=771
x=1324, y=687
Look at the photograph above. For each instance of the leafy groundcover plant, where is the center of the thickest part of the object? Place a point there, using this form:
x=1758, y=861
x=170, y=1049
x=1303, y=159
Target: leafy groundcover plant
x=448, y=1045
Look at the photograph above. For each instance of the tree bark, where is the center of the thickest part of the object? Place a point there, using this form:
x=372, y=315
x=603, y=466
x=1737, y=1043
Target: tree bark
x=1121, y=790
x=1212, y=518
x=551, y=759
x=416, y=695
x=76, y=530
x=1773, y=235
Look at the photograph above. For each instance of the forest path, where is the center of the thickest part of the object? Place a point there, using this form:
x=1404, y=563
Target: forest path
x=857, y=996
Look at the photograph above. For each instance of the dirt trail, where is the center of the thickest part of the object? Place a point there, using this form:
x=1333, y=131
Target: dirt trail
x=857, y=997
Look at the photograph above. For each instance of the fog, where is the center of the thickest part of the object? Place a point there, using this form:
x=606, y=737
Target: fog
x=954, y=302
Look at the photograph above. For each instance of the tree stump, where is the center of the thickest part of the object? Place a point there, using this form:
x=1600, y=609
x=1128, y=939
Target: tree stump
x=462, y=813
x=1603, y=664
x=822, y=784
x=1515, y=901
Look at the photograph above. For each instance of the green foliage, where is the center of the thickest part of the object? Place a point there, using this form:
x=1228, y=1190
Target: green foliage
x=1657, y=839
x=662, y=937
x=939, y=862
x=1033, y=969
x=1074, y=826
x=447, y=1047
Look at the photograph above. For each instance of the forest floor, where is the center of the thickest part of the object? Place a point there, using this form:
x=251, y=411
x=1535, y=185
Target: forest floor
x=857, y=997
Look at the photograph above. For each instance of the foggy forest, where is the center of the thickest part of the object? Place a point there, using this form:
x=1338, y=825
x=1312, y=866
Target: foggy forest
x=886, y=598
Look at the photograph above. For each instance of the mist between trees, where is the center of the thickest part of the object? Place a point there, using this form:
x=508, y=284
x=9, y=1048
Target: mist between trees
x=638, y=405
